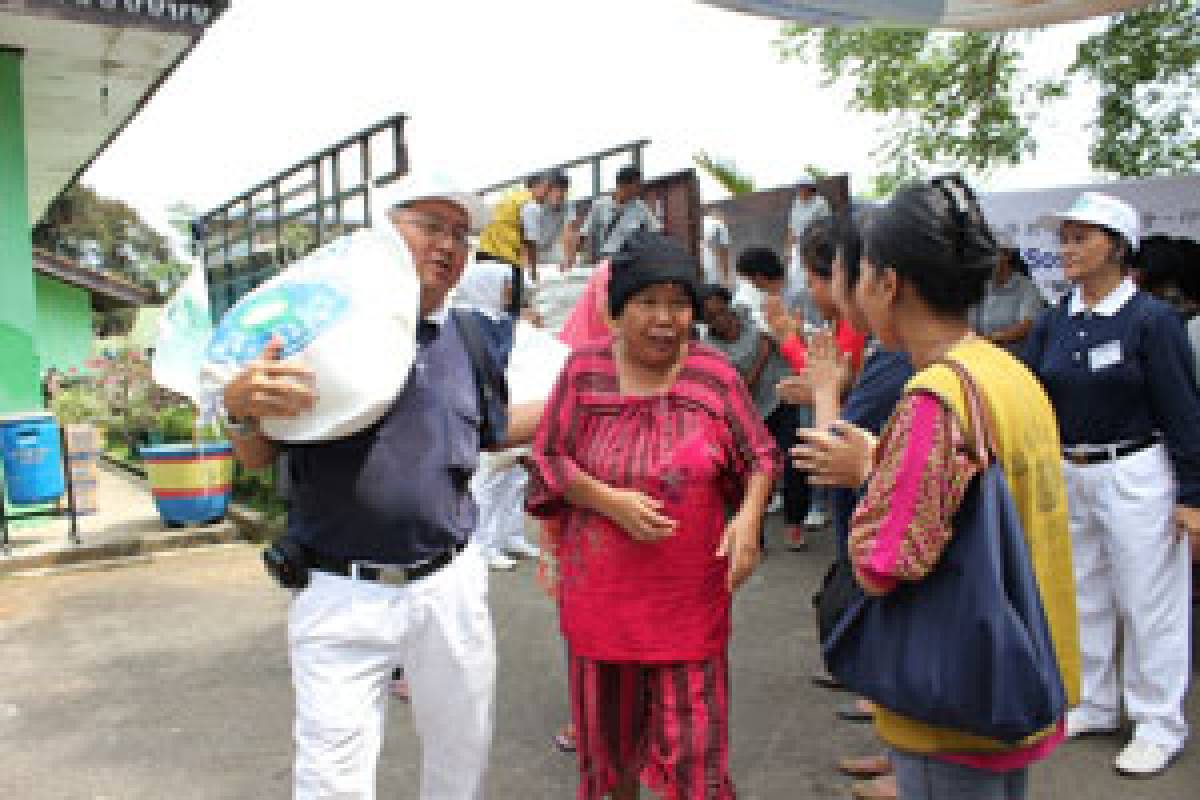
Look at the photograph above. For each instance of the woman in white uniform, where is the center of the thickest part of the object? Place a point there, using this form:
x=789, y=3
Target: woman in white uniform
x=1116, y=363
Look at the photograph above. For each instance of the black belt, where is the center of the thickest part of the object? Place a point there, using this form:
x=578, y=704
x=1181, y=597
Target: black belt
x=392, y=575
x=1097, y=454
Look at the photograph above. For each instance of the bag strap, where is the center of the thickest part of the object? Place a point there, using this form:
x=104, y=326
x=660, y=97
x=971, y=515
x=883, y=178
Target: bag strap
x=517, y=292
x=979, y=417
x=489, y=381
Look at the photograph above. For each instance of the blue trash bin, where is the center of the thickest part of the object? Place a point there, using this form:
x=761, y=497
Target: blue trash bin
x=32, y=452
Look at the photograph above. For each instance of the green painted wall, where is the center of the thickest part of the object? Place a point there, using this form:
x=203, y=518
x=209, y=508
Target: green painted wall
x=64, y=324
x=19, y=378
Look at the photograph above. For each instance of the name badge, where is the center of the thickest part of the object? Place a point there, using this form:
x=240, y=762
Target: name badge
x=1105, y=355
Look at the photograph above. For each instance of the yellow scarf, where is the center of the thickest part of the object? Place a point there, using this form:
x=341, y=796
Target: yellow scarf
x=1030, y=453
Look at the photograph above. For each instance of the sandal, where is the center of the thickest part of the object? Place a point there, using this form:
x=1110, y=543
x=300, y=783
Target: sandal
x=564, y=739
x=865, y=766
x=883, y=788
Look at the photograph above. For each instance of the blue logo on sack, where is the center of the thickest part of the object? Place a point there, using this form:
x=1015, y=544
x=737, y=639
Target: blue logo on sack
x=296, y=312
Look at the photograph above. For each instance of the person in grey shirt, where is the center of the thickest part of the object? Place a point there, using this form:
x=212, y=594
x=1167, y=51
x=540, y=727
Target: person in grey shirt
x=1010, y=305
x=544, y=223
x=757, y=359
x=613, y=218
x=808, y=207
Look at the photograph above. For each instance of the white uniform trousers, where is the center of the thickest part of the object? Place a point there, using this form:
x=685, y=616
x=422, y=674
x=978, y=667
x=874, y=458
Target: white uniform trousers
x=499, y=491
x=1131, y=572
x=347, y=636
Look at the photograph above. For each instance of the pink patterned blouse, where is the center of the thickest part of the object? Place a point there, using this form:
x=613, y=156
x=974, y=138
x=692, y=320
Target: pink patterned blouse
x=694, y=447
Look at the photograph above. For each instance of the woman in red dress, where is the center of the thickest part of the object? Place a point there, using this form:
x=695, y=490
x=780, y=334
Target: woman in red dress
x=652, y=459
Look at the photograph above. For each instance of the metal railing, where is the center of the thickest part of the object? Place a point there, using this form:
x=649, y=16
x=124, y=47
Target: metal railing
x=254, y=235
x=594, y=160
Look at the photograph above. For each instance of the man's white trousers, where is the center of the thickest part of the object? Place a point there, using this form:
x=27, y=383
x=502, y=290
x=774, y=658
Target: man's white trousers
x=346, y=637
x=1131, y=574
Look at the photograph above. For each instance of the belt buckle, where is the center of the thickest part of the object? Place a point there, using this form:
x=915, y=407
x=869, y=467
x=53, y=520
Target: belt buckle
x=386, y=574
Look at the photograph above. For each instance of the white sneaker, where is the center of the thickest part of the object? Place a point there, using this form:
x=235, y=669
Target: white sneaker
x=520, y=547
x=499, y=561
x=816, y=519
x=1143, y=759
x=1078, y=726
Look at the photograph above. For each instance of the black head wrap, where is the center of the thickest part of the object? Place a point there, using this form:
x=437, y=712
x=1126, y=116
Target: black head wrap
x=648, y=259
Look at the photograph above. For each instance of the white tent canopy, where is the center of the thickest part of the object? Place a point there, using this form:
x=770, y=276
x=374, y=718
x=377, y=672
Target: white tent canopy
x=955, y=14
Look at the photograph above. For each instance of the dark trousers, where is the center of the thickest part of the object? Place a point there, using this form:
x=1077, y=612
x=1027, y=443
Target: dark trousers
x=782, y=423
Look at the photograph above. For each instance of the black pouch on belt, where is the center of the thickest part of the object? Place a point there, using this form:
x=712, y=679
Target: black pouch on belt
x=288, y=563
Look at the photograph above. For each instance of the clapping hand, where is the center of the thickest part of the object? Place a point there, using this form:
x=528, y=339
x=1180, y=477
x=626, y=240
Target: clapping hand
x=779, y=320
x=841, y=456
x=828, y=367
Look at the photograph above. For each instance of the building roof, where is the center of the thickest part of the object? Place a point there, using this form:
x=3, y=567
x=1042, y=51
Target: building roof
x=88, y=69
x=108, y=291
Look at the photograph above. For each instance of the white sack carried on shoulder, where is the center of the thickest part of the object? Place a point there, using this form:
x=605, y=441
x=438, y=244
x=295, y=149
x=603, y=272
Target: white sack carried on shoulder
x=349, y=312
x=536, y=360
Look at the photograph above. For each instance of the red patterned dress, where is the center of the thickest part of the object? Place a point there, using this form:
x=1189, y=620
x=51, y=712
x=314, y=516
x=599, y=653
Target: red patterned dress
x=647, y=624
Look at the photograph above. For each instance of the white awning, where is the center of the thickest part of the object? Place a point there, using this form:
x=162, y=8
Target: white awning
x=951, y=14
x=87, y=69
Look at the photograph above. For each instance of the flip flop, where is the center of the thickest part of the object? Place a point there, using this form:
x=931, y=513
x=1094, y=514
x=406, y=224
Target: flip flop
x=826, y=681
x=882, y=788
x=564, y=743
x=856, y=712
x=865, y=766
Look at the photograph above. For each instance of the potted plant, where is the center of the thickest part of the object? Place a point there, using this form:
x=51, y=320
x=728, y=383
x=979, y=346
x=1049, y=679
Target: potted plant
x=191, y=470
x=81, y=410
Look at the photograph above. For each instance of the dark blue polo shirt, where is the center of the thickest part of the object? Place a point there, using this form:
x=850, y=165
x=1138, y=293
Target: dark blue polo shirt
x=1122, y=372
x=398, y=493
x=869, y=405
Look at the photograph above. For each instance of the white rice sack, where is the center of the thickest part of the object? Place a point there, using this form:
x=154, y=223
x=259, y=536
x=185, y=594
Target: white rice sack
x=349, y=312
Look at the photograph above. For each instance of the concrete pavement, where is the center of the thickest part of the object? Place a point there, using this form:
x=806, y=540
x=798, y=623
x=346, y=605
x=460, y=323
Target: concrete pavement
x=170, y=680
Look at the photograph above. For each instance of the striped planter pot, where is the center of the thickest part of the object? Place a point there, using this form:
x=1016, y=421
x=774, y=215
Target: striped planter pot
x=191, y=483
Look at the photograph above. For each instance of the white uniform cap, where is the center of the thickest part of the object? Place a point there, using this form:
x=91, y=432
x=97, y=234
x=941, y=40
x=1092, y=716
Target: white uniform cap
x=420, y=185
x=1106, y=211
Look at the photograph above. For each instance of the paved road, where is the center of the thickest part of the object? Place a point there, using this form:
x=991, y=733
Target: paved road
x=169, y=680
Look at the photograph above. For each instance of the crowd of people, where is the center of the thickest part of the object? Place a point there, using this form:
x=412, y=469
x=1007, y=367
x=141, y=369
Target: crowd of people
x=874, y=376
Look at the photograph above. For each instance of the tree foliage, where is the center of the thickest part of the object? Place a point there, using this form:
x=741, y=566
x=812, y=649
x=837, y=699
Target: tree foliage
x=1147, y=65
x=963, y=99
x=109, y=234
x=82, y=225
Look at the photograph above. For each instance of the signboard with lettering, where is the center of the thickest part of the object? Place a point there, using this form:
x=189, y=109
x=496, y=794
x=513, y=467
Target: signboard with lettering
x=1168, y=206
x=956, y=14
x=165, y=15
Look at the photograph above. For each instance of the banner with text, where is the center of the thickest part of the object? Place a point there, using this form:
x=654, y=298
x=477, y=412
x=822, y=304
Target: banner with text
x=956, y=14
x=1168, y=206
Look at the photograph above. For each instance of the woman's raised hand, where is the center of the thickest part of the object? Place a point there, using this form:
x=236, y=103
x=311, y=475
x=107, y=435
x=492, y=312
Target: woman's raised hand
x=840, y=456
x=779, y=320
x=828, y=367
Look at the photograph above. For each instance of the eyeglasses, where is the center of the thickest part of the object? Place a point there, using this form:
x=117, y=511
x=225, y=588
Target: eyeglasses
x=435, y=228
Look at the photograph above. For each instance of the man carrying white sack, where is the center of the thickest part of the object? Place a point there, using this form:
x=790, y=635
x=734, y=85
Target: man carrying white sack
x=384, y=518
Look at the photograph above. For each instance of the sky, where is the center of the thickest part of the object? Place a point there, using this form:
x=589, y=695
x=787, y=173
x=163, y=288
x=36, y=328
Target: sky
x=497, y=89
